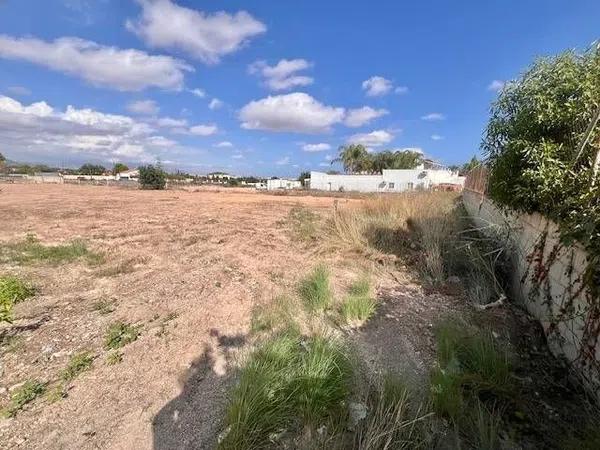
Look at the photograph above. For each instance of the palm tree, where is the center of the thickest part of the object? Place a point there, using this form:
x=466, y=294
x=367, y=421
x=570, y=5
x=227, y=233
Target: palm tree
x=354, y=158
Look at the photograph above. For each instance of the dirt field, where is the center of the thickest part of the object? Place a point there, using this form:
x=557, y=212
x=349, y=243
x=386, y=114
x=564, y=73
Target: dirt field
x=187, y=268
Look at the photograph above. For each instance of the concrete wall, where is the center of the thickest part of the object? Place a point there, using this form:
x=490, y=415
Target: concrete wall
x=273, y=185
x=547, y=279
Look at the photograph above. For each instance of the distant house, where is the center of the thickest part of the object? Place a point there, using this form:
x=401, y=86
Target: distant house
x=388, y=181
x=273, y=185
x=128, y=175
x=219, y=176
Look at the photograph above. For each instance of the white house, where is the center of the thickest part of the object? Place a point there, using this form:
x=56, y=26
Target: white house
x=388, y=181
x=273, y=185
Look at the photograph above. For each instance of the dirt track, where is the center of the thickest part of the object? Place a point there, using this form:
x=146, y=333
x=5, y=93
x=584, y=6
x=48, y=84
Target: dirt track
x=207, y=257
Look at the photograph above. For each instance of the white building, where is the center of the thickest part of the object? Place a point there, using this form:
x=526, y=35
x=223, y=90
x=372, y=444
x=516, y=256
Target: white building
x=273, y=185
x=388, y=181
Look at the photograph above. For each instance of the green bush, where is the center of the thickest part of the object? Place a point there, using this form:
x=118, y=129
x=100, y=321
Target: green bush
x=12, y=290
x=120, y=334
x=152, y=177
x=27, y=393
x=78, y=363
x=532, y=145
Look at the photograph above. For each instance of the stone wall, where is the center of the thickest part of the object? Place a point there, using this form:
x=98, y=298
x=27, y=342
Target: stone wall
x=547, y=279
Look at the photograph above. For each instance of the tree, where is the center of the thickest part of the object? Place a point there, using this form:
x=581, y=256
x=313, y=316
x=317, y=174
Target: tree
x=152, y=177
x=467, y=167
x=354, y=158
x=119, y=167
x=303, y=176
x=2, y=158
x=92, y=169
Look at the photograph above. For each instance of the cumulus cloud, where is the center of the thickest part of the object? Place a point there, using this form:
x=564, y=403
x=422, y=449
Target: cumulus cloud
x=224, y=144
x=362, y=116
x=375, y=138
x=400, y=90
x=496, y=86
x=204, y=130
x=433, y=117
x=321, y=147
x=295, y=112
x=43, y=132
x=198, y=92
x=143, y=107
x=283, y=75
x=237, y=156
x=207, y=37
x=215, y=103
x=436, y=137
x=124, y=70
x=377, y=86
x=283, y=161
x=170, y=122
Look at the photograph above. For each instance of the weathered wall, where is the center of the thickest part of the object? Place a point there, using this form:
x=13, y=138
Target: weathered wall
x=548, y=280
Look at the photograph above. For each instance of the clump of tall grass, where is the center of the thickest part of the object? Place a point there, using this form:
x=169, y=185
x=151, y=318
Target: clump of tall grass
x=289, y=382
x=31, y=250
x=303, y=224
x=393, y=420
x=360, y=305
x=315, y=290
x=269, y=317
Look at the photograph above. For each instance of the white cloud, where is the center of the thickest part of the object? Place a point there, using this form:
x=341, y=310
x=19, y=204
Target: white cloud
x=295, y=112
x=207, y=37
x=42, y=132
x=18, y=90
x=362, y=116
x=215, y=103
x=321, y=147
x=283, y=161
x=169, y=122
x=433, y=117
x=124, y=70
x=400, y=90
x=198, y=92
x=237, y=156
x=224, y=144
x=377, y=86
x=496, y=86
x=375, y=138
x=283, y=75
x=324, y=164
x=437, y=137
x=204, y=130
x=143, y=107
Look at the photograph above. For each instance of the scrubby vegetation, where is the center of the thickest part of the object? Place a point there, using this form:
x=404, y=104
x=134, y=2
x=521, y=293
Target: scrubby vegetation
x=80, y=362
x=359, y=305
x=152, y=177
x=119, y=334
x=12, y=290
x=31, y=250
x=28, y=392
x=315, y=290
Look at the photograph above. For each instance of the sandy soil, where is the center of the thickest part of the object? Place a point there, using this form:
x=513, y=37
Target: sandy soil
x=208, y=257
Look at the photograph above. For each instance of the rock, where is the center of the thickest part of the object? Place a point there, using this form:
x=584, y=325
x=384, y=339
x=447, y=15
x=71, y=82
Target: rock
x=357, y=411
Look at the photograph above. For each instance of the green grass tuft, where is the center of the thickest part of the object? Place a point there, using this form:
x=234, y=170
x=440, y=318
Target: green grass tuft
x=120, y=334
x=288, y=380
x=315, y=291
x=25, y=394
x=361, y=287
x=276, y=314
x=114, y=357
x=79, y=363
x=358, y=309
x=31, y=250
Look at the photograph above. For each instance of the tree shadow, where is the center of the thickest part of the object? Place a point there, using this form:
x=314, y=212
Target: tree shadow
x=192, y=419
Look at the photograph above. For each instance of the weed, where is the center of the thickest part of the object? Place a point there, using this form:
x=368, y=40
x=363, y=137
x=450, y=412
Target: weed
x=25, y=394
x=361, y=287
x=31, y=251
x=114, y=357
x=78, y=363
x=315, y=291
x=288, y=379
x=12, y=290
x=104, y=307
x=120, y=334
x=277, y=313
x=392, y=421
x=358, y=309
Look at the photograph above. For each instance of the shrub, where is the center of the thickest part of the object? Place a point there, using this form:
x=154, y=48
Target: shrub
x=152, y=177
x=27, y=393
x=315, y=291
x=79, y=363
x=120, y=334
x=533, y=144
x=12, y=290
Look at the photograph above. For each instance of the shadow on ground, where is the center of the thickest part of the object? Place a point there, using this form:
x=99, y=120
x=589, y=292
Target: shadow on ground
x=192, y=419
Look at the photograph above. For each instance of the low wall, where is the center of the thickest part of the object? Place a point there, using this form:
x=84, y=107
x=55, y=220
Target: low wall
x=548, y=280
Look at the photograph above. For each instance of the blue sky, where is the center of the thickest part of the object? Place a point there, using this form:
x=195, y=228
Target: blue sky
x=263, y=87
